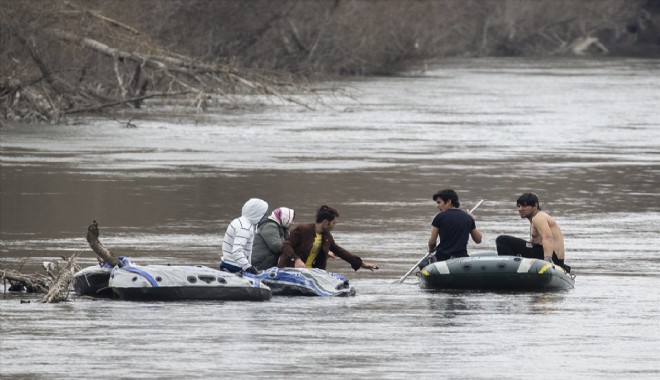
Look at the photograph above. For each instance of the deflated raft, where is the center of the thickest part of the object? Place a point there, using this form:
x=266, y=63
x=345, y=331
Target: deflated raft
x=174, y=283
x=93, y=281
x=305, y=282
x=487, y=271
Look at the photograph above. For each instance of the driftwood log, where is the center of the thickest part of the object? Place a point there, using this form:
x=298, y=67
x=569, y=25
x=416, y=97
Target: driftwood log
x=59, y=290
x=98, y=247
x=34, y=283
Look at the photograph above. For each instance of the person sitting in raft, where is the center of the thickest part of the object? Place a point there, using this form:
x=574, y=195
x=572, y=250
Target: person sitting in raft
x=270, y=235
x=453, y=226
x=308, y=244
x=237, y=243
x=546, y=241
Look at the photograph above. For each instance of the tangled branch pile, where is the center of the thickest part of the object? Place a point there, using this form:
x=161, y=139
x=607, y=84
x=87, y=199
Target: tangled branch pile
x=32, y=283
x=56, y=283
x=64, y=59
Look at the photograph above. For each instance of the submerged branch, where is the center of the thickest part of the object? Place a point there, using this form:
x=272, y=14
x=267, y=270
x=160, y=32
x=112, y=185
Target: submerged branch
x=35, y=283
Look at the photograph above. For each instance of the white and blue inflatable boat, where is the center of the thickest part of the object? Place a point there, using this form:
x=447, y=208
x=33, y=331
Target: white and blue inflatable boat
x=165, y=282
x=305, y=282
x=175, y=283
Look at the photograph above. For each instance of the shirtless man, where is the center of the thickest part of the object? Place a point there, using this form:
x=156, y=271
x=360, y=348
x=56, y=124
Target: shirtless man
x=546, y=240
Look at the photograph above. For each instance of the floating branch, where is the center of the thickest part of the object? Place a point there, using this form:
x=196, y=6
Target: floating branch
x=59, y=290
x=101, y=251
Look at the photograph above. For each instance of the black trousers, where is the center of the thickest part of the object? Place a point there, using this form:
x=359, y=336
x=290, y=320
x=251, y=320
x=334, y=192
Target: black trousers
x=513, y=246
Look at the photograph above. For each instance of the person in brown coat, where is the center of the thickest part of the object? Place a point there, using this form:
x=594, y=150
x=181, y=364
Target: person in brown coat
x=308, y=245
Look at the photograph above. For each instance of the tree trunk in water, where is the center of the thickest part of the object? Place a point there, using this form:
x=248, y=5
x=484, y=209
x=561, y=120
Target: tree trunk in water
x=32, y=283
x=99, y=248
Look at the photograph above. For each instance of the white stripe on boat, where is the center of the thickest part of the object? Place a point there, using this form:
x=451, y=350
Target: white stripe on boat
x=525, y=265
x=442, y=267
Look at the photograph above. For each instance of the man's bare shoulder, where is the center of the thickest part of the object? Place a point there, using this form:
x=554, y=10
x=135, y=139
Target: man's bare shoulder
x=542, y=217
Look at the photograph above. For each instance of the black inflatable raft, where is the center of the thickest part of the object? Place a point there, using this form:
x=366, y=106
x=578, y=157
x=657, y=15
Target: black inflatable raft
x=488, y=271
x=93, y=282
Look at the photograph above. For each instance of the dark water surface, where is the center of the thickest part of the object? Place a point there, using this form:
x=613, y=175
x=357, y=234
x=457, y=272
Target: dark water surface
x=583, y=134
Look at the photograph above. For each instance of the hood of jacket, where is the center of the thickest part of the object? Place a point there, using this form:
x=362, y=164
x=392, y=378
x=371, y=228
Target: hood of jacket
x=254, y=210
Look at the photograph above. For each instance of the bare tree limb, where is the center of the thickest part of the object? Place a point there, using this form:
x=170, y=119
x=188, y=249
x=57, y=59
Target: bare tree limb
x=99, y=248
x=124, y=101
x=59, y=290
x=32, y=283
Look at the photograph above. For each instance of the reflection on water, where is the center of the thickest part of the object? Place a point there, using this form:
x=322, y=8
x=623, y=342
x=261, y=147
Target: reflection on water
x=491, y=129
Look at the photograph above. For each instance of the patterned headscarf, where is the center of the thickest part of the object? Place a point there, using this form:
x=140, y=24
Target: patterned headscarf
x=282, y=215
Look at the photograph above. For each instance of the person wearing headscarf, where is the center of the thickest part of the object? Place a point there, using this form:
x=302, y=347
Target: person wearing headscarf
x=269, y=237
x=239, y=238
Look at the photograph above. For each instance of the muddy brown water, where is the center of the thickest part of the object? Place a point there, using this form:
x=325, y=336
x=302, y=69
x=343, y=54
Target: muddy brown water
x=583, y=134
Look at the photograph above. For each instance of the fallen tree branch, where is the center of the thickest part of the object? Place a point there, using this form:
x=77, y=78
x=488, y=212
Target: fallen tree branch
x=185, y=66
x=120, y=102
x=59, y=290
x=33, y=283
x=101, y=17
x=99, y=248
x=115, y=65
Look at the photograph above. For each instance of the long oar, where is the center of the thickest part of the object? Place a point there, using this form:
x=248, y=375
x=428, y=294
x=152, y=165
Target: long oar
x=431, y=253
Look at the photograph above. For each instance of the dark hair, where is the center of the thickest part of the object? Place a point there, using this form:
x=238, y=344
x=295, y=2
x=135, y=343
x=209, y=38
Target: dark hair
x=326, y=213
x=448, y=195
x=528, y=199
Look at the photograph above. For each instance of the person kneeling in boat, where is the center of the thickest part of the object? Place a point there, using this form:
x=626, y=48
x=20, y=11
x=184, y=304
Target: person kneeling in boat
x=308, y=245
x=237, y=243
x=546, y=239
x=270, y=235
x=453, y=226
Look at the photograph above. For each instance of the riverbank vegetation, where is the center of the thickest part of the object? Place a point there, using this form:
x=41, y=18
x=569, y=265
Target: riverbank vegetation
x=69, y=57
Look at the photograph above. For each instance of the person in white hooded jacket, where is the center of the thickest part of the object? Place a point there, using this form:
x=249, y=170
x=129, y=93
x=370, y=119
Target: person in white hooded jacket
x=237, y=243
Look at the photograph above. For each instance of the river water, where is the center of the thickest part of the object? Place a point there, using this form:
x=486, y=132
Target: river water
x=583, y=134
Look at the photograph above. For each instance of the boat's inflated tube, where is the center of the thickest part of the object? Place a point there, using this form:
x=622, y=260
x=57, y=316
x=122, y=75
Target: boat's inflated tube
x=489, y=271
x=305, y=282
x=166, y=283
